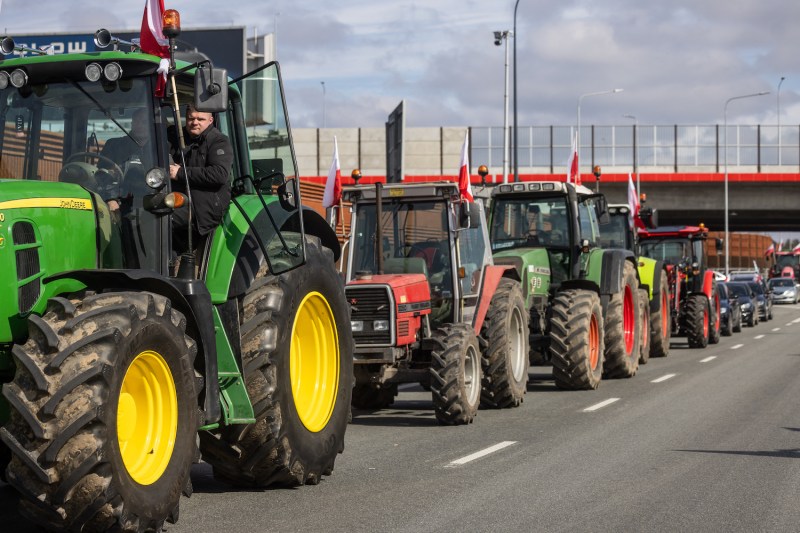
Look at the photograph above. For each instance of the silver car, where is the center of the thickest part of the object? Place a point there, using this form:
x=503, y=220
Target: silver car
x=784, y=291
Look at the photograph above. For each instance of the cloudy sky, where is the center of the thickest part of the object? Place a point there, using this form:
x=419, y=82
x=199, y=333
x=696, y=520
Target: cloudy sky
x=678, y=61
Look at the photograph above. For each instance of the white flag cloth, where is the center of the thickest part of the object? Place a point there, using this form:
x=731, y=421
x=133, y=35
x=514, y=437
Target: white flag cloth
x=573, y=175
x=333, y=187
x=633, y=200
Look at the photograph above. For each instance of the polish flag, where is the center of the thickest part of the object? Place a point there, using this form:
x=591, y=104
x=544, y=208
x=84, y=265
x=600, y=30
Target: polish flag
x=770, y=250
x=152, y=40
x=796, y=249
x=464, y=185
x=333, y=187
x=633, y=203
x=573, y=175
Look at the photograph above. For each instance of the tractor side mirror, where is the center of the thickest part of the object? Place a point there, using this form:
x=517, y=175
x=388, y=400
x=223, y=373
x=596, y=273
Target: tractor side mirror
x=211, y=90
x=649, y=217
x=469, y=216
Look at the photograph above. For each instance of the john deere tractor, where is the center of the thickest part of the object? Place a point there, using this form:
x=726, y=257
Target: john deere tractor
x=622, y=232
x=427, y=304
x=694, y=299
x=583, y=301
x=119, y=370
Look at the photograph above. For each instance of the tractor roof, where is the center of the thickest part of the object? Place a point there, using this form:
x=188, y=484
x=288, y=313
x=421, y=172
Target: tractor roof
x=675, y=231
x=396, y=191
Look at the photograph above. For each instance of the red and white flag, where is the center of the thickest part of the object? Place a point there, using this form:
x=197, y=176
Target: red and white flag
x=573, y=175
x=464, y=185
x=152, y=40
x=633, y=203
x=333, y=187
x=770, y=250
x=796, y=249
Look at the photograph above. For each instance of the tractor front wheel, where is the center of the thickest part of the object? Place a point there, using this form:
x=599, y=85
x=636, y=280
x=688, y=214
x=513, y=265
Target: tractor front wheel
x=456, y=375
x=104, y=414
x=644, y=309
x=505, y=360
x=697, y=321
x=660, y=320
x=297, y=354
x=576, y=340
x=623, y=328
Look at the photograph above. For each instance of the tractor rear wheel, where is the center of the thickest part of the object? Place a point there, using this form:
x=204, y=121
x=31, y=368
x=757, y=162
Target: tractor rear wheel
x=660, y=320
x=644, y=311
x=622, y=328
x=697, y=321
x=576, y=340
x=104, y=414
x=716, y=319
x=505, y=360
x=367, y=396
x=297, y=352
x=456, y=375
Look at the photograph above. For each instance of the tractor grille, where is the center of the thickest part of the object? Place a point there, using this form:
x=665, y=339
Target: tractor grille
x=369, y=304
x=403, y=328
x=27, y=266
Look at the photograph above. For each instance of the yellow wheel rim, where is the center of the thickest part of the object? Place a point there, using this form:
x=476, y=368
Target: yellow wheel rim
x=147, y=417
x=314, y=362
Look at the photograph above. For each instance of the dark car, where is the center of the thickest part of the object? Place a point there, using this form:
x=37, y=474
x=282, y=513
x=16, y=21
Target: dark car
x=748, y=300
x=764, y=299
x=730, y=311
x=784, y=290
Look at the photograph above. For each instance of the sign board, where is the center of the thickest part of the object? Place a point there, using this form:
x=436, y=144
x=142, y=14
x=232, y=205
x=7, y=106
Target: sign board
x=394, y=144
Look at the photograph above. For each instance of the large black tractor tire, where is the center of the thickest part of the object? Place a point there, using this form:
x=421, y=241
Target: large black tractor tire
x=104, y=414
x=576, y=340
x=697, y=321
x=661, y=320
x=367, y=396
x=737, y=327
x=726, y=328
x=505, y=359
x=644, y=324
x=456, y=375
x=294, y=325
x=622, y=328
x=716, y=320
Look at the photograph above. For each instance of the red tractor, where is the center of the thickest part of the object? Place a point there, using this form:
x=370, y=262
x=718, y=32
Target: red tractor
x=787, y=265
x=694, y=298
x=427, y=304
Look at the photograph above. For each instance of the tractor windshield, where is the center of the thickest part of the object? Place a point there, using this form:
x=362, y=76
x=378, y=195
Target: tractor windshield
x=523, y=222
x=415, y=240
x=670, y=251
x=617, y=233
x=94, y=134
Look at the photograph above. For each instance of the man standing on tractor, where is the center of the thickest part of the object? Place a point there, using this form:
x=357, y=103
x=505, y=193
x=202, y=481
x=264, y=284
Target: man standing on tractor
x=206, y=164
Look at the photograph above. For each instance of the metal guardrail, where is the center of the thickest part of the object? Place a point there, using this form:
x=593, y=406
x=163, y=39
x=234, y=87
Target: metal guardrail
x=674, y=146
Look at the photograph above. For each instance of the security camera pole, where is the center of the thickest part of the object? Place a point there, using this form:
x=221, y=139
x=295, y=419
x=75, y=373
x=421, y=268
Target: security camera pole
x=499, y=37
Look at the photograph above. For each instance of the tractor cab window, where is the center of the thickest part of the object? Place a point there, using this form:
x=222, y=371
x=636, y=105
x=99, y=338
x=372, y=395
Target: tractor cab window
x=671, y=252
x=473, y=253
x=523, y=222
x=616, y=234
x=98, y=136
x=588, y=220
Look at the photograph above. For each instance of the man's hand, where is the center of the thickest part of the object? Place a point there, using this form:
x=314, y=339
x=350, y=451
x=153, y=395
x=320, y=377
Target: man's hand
x=173, y=171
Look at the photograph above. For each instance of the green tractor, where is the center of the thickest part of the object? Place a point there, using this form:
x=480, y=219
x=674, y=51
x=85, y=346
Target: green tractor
x=119, y=371
x=620, y=232
x=583, y=301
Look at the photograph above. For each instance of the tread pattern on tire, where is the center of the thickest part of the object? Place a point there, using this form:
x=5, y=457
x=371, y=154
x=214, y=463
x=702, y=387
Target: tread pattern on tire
x=618, y=362
x=499, y=388
x=659, y=337
x=572, y=311
x=450, y=401
x=644, y=324
x=694, y=323
x=59, y=431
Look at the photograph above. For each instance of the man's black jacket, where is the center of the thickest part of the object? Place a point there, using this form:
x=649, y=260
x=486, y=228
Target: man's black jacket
x=209, y=157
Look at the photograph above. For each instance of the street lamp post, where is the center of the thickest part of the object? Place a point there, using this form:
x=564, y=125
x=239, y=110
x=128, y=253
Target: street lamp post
x=578, y=132
x=323, y=103
x=725, y=127
x=499, y=37
x=515, y=147
x=635, y=152
x=779, y=118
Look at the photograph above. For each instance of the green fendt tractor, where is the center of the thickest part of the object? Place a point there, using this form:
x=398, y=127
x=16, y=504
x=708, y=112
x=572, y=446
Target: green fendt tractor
x=118, y=374
x=620, y=232
x=583, y=300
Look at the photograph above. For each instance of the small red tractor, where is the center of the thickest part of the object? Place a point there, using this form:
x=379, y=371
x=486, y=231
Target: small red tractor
x=427, y=304
x=694, y=298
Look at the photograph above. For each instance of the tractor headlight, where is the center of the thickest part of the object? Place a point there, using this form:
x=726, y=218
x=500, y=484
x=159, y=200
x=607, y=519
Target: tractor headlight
x=380, y=325
x=112, y=71
x=19, y=78
x=4, y=80
x=93, y=71
x=357, y=325
x=155, y=178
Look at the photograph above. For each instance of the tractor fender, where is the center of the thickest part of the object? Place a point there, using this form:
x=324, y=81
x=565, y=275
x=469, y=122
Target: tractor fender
x=316, y=225
x=492, y=274
x=613, y=266
x=582, y=284
x=190, y=297
x=708, y=283
x=648, y=269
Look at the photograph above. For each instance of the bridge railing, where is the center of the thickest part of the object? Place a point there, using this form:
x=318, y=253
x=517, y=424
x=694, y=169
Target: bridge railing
x=762, y=148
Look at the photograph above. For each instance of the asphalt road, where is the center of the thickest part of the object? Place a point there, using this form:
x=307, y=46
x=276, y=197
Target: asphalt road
x=703, y=440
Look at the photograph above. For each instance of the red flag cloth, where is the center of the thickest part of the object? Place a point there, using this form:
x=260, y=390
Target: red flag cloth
x=796, y=249
x=464, y=185
x=333, y=187
x=770, y=250
x=633, y=203
x=573, y=174
x=152, y=40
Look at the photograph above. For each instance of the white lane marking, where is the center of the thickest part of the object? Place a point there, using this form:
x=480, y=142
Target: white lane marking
x=482, y=453
x=600, y=405
x=759, y=337
x=663, y=378
x=796, y=320
x=776, y=329
x=707, y=359
x=788, y=323
x=736, y=346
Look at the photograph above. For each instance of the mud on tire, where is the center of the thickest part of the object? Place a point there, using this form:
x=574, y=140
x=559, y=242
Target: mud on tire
x=456, y=375
x=660, y=320
x=280, y=448
x=505, y=359
x=697, y=320
x=77, y=462
x=576, y=340
x=622, y=329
